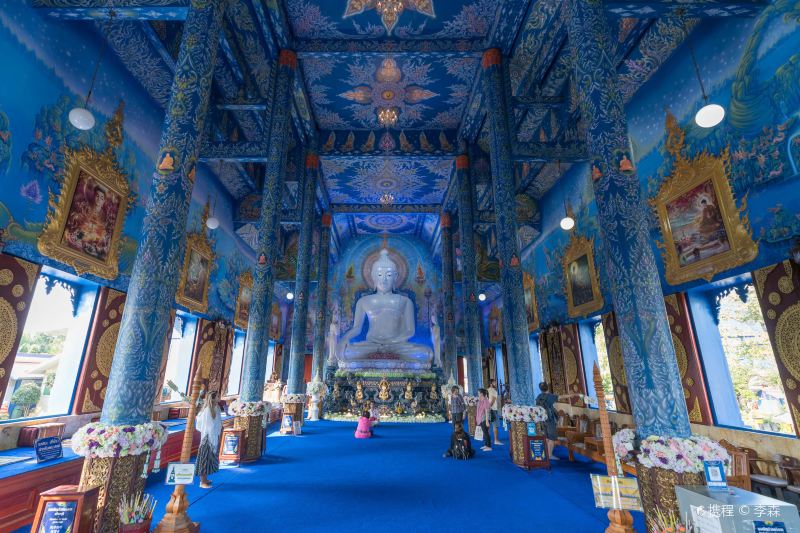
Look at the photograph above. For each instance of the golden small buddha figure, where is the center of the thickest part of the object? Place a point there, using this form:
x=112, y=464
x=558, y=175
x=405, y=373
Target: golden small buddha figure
x=409, y=393
x=336, y=390
x=359, y=391
x=625, y=164
x=167, y=163
x=434, y=393
x=383, y=389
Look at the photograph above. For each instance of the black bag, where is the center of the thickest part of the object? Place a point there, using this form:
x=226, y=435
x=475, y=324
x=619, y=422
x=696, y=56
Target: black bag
x=462, y=448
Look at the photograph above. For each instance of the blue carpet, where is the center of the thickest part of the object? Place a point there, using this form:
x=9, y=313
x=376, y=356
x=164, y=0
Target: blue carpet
x=326, y=480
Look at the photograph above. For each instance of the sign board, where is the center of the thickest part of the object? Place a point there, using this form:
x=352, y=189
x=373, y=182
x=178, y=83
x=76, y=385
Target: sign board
x=768, y=527
x=58, y=517
x=48, y=449
x=715, y=475
x=180, y=474
x=531, y=429
x=66, y=509
x=287, y=424
x=230, y=453
x=536, y=453
x=705, y=521
x=613, y=492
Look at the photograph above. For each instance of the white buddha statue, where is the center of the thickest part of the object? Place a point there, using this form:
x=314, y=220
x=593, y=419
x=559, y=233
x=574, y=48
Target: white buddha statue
x=391, y=325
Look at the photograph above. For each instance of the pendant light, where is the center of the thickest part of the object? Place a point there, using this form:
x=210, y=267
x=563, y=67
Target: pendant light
x=212, y=222
x=80, y=117
x=290, y=296
x=482, y=297
x=568, y=221
x=710, y=114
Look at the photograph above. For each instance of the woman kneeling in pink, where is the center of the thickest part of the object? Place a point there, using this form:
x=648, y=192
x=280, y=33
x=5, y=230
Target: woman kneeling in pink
x=364, y=431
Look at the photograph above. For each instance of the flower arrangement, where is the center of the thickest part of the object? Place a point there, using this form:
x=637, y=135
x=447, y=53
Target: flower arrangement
x=293, y=398
x=391, y=417
x=678, y=454
x=388, y=374
x=316, y=388
x=523, y=413
x=104, y=440
x=471, y=401
x=136, y=510
x=238, y=408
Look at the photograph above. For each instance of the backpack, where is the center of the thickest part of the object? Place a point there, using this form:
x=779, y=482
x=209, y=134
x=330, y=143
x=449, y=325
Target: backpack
x=461, y=449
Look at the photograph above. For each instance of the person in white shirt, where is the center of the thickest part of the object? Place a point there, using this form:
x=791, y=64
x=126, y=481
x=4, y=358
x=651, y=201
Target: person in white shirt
x=494, y=403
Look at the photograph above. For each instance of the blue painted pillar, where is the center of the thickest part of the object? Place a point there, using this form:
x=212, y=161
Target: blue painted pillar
x=449, y=358
x=154, y=279
x=650, y=365
x=515, y=325
x=257, y=343
x=321, y=324
x=297, y=351
x=469, y=276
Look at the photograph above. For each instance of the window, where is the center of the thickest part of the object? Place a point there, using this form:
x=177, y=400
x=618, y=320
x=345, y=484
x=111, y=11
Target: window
x=48, y=359
x=605, y=369
x=235, y=375
x=179, y=358
x=751, y=361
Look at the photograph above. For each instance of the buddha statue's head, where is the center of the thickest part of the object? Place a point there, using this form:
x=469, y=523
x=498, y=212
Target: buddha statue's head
x=384, y=273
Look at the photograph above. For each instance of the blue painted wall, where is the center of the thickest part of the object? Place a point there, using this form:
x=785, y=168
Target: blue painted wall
x=48, y=65
x=750, y=66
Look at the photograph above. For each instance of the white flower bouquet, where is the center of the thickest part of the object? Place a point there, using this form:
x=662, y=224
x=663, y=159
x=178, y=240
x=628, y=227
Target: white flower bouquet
x=293, y=398
x=471, y=400
x=316, y=388
x=678, y=454
x=104, y=440
x=258, y=408
x=523, y=413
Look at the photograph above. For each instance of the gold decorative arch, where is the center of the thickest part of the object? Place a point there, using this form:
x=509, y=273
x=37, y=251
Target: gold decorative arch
x=582, y=285
x=197, y=263
x=84, y=222
x=704, y=233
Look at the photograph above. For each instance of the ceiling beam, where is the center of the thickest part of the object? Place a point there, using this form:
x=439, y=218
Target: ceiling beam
x=243, y=152
x=123, y=9
x=532, y=151
x=691, y=8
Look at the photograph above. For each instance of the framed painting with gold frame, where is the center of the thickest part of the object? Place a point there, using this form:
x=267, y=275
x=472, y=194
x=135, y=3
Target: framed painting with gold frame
x=193, y=286
x=495, y=324
x=703, y=231
x=531, y=311
x=84, y=222
x=275, y=322
x=580, y=277
x=244, y=299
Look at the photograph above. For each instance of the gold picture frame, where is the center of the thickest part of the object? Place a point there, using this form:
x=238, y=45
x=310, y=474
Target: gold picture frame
x=196, y=271
x=495, y=324
x=531, y=309
x=703, y=231
x=581, y=282
x=244, y=300
x=84, y=221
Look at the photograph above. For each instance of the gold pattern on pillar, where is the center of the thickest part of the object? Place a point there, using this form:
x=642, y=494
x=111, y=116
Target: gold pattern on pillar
x=778, y=290
x=615, y=363
x=694, y=386
x=116, y=477
x=17, y=283
x=574, y=376
x=99, y=351
x=550, y=340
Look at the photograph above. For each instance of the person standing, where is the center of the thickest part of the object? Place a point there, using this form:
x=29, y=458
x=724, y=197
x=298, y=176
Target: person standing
x=494, y=403
x=209, y=424
x=482, y=418
x=547, y=401
x=457, y=406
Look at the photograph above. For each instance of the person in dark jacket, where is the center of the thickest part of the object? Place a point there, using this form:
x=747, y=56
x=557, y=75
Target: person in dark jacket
x=460, y=445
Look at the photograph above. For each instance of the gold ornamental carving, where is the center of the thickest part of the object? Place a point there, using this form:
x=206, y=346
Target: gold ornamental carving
x=580, y=277
x=6, y=277
x=197, y=263
x=680, y=355
x=105, y=349
x=8, y=330
x=84, y=221
x=243, y=300
x=616, y=363
x=787, y=339
x=570, y=366
x=712, y=236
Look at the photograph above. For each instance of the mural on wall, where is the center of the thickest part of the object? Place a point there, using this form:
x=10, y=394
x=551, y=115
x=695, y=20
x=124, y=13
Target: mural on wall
x=35, y=134
x=759, y=85
x=418, y=278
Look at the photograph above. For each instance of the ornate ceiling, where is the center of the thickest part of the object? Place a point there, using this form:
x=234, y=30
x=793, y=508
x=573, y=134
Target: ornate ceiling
x=419, y=58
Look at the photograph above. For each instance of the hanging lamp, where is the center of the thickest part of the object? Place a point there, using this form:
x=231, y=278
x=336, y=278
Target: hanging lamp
x=80, y=116
x=710, y=114
x=568, y=221
x=212, y=222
